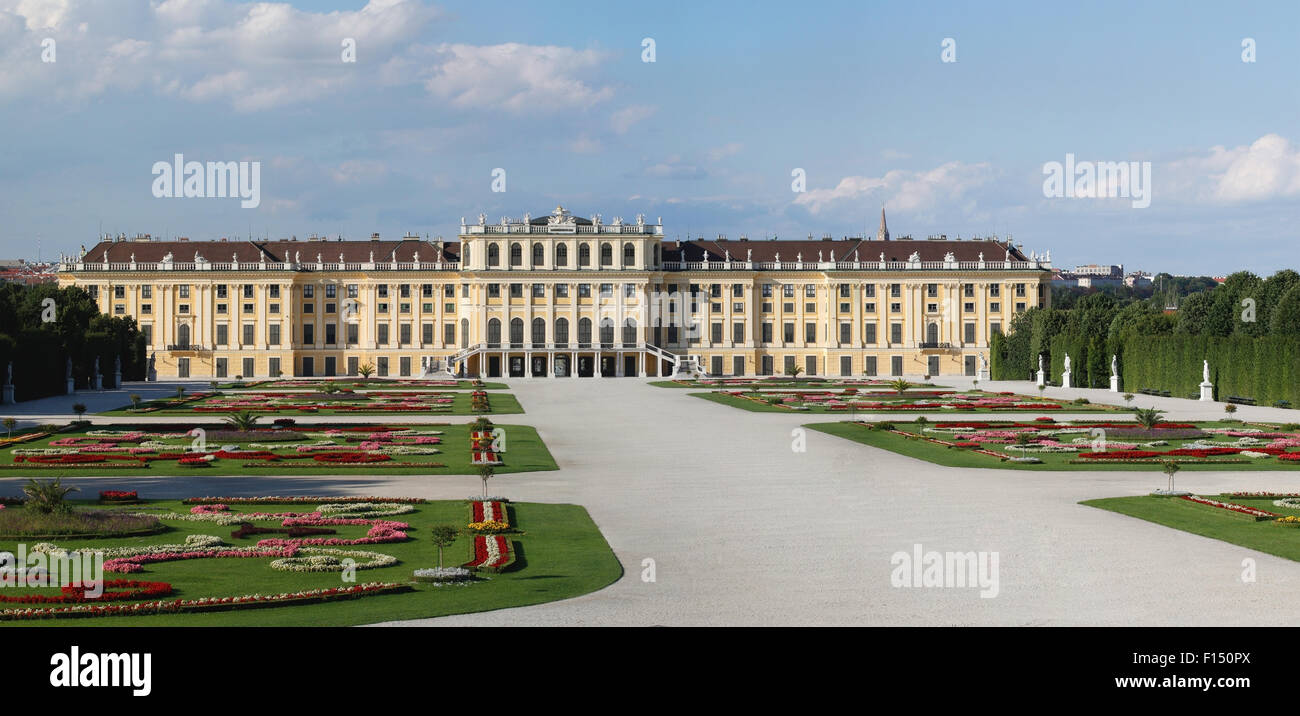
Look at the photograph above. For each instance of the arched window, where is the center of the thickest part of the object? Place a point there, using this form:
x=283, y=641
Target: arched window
x=516, y=254
x=464, y=333
x=494, y=333
x=561, y=331
x=562, y=255
x=932, y=333
x=607, y=331
x=629, y=254
x=539, y=255
x=584, y=331
x=584, y=255
x=629, y=331
x=606, y=255
x=494, y=255
x=539, y=331
x=516, y=331
x=183, y=334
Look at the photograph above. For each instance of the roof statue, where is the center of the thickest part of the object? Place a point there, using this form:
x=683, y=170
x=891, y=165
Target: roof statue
x=949, y=257
x=914, y=258
x=749, y=255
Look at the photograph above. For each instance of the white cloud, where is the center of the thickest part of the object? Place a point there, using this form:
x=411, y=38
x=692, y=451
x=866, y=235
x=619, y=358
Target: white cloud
x=509, y=76
x=903, y=190
x=251, y=55
x=1269, y=168
x=623, y=119
x=724, y=151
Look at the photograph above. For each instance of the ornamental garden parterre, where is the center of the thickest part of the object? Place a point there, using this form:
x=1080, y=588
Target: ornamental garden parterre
x=332, y=399
x=283, y=448
x=1047, y=444
x=231, y=560
x=851, y=399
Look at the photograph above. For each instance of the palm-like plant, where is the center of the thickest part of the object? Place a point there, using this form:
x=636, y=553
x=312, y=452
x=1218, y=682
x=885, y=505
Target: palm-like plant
x=794, y=371
x=1128, y=398
x=47, y=497
x=900, y=385
x=243, y=421
x=1148, y=418
x=366, y=370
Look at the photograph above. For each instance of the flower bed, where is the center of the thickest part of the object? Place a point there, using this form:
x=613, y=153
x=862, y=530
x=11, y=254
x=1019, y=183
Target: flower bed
x=75, y=593
x=1251, y=512
x=491, y=553
x=207, y=604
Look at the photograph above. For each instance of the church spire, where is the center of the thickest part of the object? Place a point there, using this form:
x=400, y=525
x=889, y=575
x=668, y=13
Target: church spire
x=883, y=233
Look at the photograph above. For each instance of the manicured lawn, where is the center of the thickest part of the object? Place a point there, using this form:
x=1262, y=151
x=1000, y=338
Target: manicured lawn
x=358, y=383
x=913, y=445
x=563, y=555
x=294, y=403
x=813, y=400
x=1212, y=522
x=524, y=451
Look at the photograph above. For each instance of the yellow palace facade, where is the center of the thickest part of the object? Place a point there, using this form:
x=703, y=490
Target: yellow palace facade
x=562, y=296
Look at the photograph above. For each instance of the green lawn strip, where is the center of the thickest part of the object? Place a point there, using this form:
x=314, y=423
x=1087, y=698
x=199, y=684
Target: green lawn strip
x=502, y=404
x=1212, y=522
x=785, y=385
x=762, y=407
x=525, y=452
x=963, y=457
x=564, y=555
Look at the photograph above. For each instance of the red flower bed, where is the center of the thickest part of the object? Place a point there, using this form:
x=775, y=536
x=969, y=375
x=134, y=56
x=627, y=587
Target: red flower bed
x=75, y=593
x=482, y=558
x=349, y=457
x=966, y=444
x=1204, y=452
x=1289, y=456
x=118, y=495
x=65, y=459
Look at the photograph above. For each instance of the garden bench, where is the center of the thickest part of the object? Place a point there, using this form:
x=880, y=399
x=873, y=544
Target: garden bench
x=1240, y=400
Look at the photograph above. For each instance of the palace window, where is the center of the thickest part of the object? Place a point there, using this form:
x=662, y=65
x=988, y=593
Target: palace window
x=539, y=290
x=275, y=292
x=516, y=290
x=561, y=290
x=185, y=291
x=309, y=291
x=248, y=308
x=221, y=291
x=584, y=255
x=584, y=290
x=787, y=290
x=629, y=254
x=221, y=308
x=539, y=255
x=146, y=292
x=494, y=290
x=606, y=255
x=516, y=254
x=494, y=255
x=810, y=291
x=562, y=255
x=248, y=290
x=352, y=290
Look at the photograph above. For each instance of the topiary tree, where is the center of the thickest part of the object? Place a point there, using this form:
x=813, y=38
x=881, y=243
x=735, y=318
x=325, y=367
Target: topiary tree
x=485, y=473
x=443, y=536
x=1170, y=467
x=79, y=409
x=10, y=424
x=135, y=400
x=1230, y=408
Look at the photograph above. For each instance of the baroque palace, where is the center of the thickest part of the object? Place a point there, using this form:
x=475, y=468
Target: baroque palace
x=564, y=296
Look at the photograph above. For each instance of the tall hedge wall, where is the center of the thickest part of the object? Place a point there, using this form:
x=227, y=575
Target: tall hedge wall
x=1266, y=369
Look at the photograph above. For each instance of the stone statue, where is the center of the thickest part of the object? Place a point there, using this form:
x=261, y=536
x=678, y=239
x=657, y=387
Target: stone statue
x=981, y=257
x=372, y=257
x=749, y=255
x=234, y=258
x=1114, y=364
x=9, y=374
x=799, y=257
x=1067, y=362
x=882, y=257
x=914, y=258
x=984, y=362
x=96, y=365
x=167, y=258
x=1205, y=371
x=726, y=255
x=1040, y=362
x=152, y=357
x=117, y=364
x=341, y=258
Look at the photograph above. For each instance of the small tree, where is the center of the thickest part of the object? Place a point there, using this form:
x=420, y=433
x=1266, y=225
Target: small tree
x=443, y=536
x=10, y=424
x=900, y=385
x=213, y=384
x=135, y=400
x=485, y=473
x=1042, y=390
x=366, y=370
x=1170, y=467
x=1230, y=408
x=180, y=392
x=794, y=371
x=243, y=421
x=79, y=409
x=1128, y=398
x=47, y=497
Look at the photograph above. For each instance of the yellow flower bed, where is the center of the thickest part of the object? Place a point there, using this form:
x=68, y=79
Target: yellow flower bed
x=489, y=526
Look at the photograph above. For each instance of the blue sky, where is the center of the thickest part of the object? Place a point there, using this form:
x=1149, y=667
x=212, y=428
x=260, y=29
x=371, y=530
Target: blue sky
x=706, y=137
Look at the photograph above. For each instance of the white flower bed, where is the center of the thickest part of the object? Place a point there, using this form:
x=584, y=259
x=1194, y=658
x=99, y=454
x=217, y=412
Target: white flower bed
x=325, y=559
x=364, y=510
x=443, y=574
